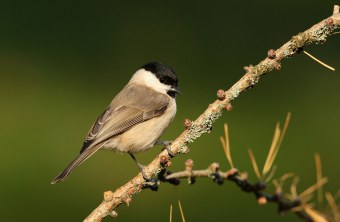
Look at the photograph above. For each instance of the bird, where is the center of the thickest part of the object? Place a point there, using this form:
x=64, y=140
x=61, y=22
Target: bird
x=136, y=117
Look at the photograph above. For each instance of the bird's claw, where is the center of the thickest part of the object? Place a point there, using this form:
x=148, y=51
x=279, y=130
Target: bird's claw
x=152, y=184
x=141, y=169
x=167, y=145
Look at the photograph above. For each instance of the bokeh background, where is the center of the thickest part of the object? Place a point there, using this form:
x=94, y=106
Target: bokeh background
x=61, y=62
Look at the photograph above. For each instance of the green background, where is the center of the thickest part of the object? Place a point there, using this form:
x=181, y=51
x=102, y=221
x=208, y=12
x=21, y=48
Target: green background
x=61, y=62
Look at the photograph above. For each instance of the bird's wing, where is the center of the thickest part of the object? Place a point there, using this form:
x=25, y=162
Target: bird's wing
x=133, y=105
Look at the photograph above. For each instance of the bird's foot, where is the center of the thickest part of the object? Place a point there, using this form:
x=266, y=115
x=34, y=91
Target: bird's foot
x=167, y=146
x=141, y=169
x=151, y=183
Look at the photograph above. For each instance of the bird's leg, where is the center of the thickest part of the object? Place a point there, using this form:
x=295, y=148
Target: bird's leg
x=152, y=183
x=167, y=144
x=141, y=168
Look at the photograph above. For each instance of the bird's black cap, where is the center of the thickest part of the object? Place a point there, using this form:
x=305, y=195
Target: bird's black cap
x=164, y=73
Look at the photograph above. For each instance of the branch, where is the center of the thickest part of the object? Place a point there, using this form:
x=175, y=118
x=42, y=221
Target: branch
x=296, y=205
x=316, y=34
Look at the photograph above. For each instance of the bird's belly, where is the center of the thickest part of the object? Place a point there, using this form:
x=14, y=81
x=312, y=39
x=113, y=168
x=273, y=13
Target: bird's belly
x=137, y=139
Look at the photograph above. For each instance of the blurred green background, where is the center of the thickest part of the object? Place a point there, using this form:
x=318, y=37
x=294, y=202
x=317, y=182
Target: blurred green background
x=61, y=63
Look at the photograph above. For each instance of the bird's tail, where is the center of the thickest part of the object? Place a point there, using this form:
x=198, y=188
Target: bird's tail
x=76, y=162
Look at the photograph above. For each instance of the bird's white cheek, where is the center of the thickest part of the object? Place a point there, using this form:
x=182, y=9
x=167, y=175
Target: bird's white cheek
x=148, y=79
x=152, y=82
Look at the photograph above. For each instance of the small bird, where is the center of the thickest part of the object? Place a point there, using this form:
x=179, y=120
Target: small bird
x=135, y=118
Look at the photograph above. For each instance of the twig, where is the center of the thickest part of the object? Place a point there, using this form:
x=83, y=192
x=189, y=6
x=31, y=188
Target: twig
x=170, y=213
x=181, y=210
x=333, y=206
x=254, y=163
x=297, y=204
x=275, y=146
x=318, y=169
x=226, y=146
x=258, y=189
x=319, y=61
x=316, y=34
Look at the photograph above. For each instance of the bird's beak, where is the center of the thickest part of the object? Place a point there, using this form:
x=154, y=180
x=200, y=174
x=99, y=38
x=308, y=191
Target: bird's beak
x=175, y=89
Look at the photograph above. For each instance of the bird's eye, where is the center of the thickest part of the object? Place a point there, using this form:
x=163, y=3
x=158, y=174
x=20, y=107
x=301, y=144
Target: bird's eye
x=162, y=80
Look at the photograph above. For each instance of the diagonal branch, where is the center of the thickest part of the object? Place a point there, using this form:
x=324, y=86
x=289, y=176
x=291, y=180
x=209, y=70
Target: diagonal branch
x=316, y=34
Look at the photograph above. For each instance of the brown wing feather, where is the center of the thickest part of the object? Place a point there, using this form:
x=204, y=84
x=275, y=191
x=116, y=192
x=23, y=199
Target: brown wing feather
x=95, y=128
